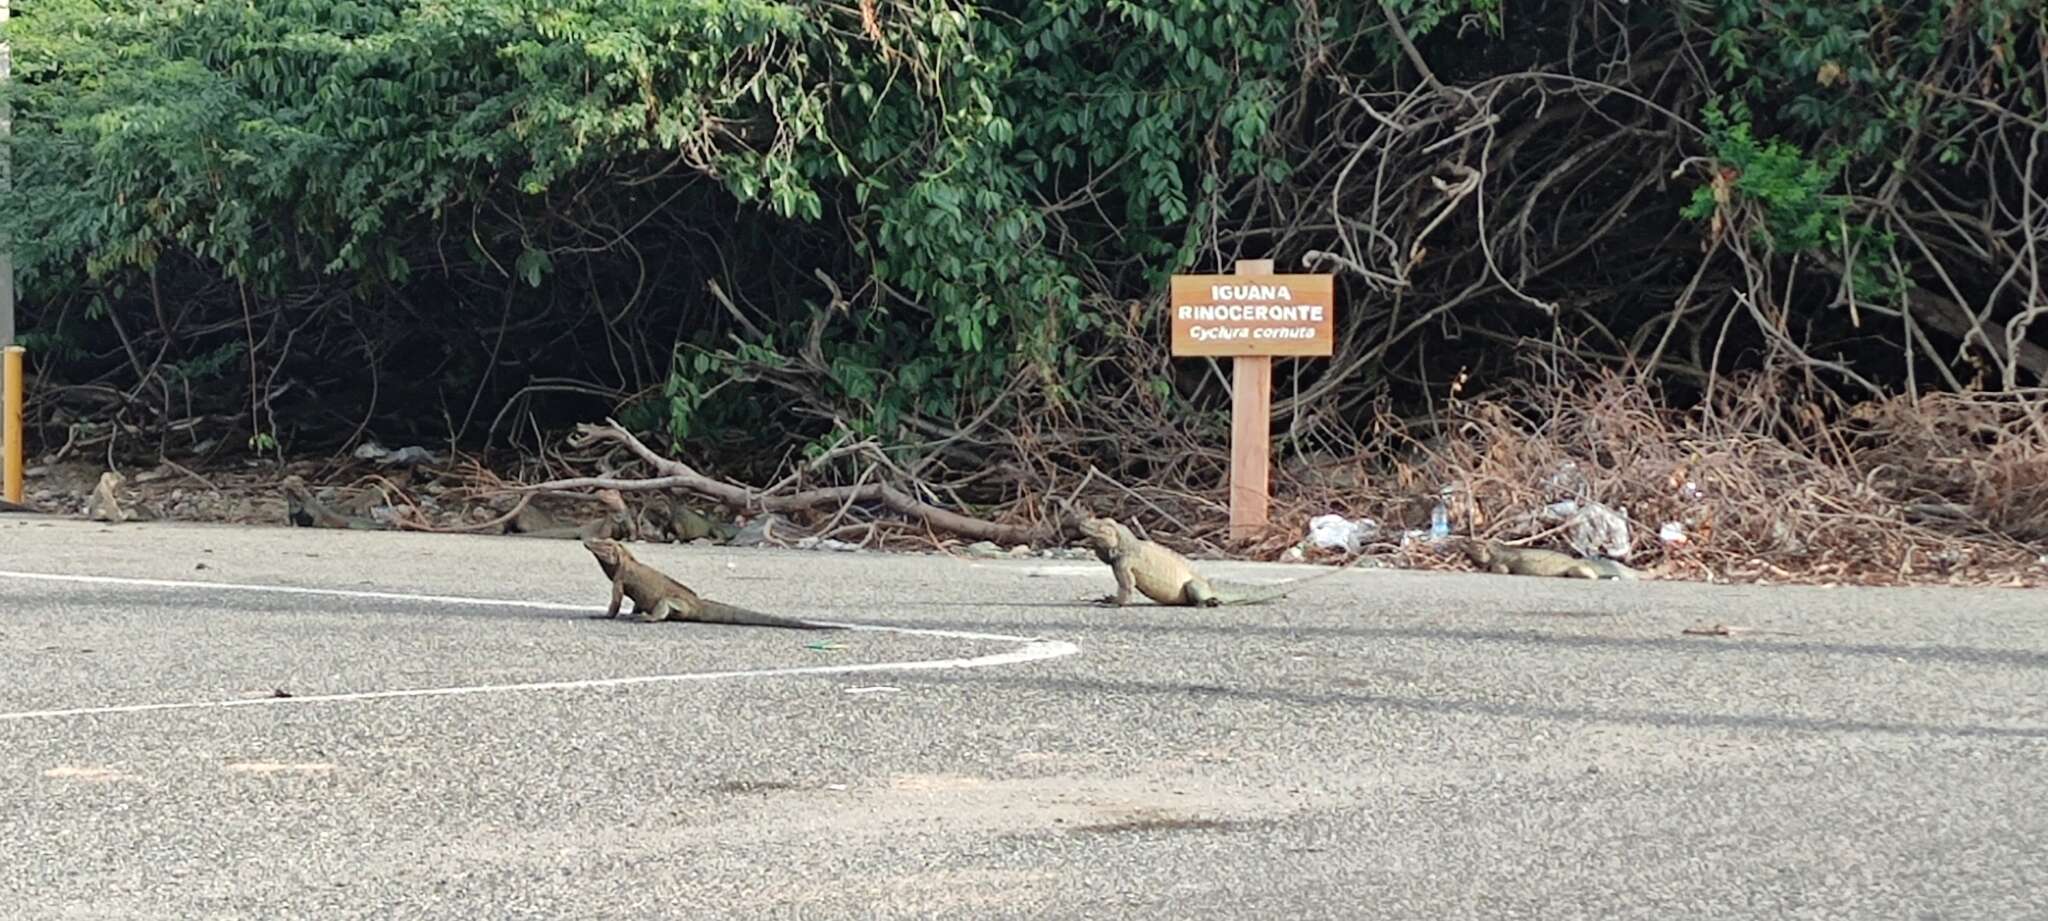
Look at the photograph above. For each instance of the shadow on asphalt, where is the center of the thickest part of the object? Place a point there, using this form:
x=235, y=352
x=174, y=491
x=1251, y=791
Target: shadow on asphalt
x=1756, y=645
x=1346, y=699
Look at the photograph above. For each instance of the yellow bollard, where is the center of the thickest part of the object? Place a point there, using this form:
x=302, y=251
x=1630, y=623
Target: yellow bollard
x=10, y=423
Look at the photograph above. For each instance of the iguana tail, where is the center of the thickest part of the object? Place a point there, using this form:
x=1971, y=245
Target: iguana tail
x=1234, y=595
x=1248, y=595
x=716, y=612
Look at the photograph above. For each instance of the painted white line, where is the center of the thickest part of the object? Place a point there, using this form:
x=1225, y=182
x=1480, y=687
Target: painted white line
x=1231, y=575
x=294, y=590
x=1063, y=569
x=1033, y=650
x=446, y=599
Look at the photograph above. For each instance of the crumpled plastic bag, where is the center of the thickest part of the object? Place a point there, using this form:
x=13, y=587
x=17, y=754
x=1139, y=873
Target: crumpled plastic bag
x=1331, y=532
x=1592, y=530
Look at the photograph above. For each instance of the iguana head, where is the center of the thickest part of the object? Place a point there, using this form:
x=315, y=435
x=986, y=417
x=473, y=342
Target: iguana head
x=1479, y=551
x=1102, y=532
x=609, y=553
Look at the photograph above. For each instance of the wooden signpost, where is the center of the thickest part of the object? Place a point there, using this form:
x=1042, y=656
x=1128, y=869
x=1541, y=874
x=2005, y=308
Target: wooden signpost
x=1252, y=316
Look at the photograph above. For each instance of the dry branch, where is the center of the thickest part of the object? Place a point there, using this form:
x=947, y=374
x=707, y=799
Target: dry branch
x=674, y=474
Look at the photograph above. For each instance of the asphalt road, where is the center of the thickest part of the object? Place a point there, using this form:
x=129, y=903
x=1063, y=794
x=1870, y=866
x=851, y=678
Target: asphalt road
x=1383, y=745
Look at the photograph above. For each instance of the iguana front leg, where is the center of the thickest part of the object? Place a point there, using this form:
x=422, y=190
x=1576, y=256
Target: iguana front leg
x=618, y=593
x=1125, y=581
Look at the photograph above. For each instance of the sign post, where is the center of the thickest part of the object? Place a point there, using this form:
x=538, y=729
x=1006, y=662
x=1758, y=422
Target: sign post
x=10, y=423
x=7, y=179
x=10, y=354
x=1251, y=316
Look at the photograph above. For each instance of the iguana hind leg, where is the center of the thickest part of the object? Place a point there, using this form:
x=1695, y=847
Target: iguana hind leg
x=660, y=612
x=1198, y=593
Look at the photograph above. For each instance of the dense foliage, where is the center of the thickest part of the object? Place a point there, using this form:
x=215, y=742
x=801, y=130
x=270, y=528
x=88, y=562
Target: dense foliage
x=763, y=225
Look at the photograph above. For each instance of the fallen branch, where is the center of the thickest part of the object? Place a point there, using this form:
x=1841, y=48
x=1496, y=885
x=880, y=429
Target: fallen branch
x=678, y=475
x=498, y=522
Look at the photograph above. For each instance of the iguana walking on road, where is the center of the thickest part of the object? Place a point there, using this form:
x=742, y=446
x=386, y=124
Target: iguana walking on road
x=1167, y=577
x=1494, y=556
x=656, y=597
x=305, y=510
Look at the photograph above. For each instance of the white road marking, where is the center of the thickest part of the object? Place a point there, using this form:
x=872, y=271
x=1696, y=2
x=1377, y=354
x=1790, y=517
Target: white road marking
x=1070, y=569
x=1033, y=649
x=1234, y=570
x=295, y=590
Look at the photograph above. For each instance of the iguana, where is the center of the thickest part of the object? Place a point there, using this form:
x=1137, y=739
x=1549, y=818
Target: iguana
x=305, y=510
x=105, y=504
x=686, y=524
x=529, y=519
x=1167, y=577
x=616, y=524
x=1494, y=556
x=656, y=597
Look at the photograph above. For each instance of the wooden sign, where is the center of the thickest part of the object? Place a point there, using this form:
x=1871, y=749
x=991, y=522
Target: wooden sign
x=1252, y=316
x=1259, y=314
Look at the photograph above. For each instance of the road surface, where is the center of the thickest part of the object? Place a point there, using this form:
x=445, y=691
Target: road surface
x=462, y=740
